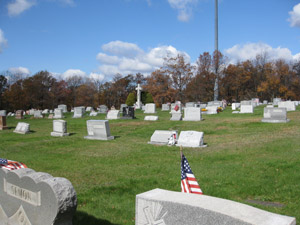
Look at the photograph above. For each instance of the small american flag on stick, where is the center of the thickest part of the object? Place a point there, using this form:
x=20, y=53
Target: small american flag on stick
x=11, y=165
x=189, y=183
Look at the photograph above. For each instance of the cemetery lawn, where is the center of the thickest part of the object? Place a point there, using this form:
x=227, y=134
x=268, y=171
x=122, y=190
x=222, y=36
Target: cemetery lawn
x=246, y=161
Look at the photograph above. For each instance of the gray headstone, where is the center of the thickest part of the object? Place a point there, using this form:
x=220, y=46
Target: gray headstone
x=176, y=116
x=275, y=115
x=246, y=109
x=203, y=106
x=59, y=128
x=289, y=105
x=212, y=110
x=63, y=107
x=276, y=101
x=2, y=112
x=35, y=198
x=150, y=108
x=176, y=208
x=88, y=109
x=45, y=111
x=58, y=114
x=192, y=114
x=161, y=137
x=215, y=103
x=165, y=107
x=19, y=114
x=103, y=109
x=22, y=128
x=265, y=102
x=192, y=139
x=151, y=118
x=93, y=113
x=78, y=112
x=190, y=104
x=37, y=114
x=235, y=106
x=31, y=112
x=98, y=130
x=113, y=115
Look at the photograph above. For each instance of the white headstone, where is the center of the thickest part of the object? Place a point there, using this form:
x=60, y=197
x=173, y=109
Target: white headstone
x=94, y=113
x=276, y=100
x=59, y=128
x=289, y=105
x=22, y=128
x=193, y=139
x=151, y=118
x=235, y=106
x=3, y=113
x=275, y=115
x=162, y=137
x=113, y=115
x=150, y=108
x=246, y=109
x=63, y=107
x=98, y=130
x=38, y=114
x=45, y=111
x=165, y=107
x=88, y=109
x=176, y=116
x=162, y=207
x=103, y=109
x=78, y=112
x=58, y=114
x=138, y=97
x=192, y=114
x=190, y=104
x=212, y=109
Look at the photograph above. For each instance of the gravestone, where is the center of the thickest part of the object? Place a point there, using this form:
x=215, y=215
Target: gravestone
x=50, y=116
x=78, y=112
x=150, y=108
x=63, y=107
x=9, y=114
x=176, y=116
x=59, y=128
x=176, y=107
x=88, y=109
x=138, y=104
x=165, y=107
x=128, y=113
x=203, y=105
x=45, y=111
x=58, y=114
x=151, y=118
x=22, y=128
x=3, y=123
x=270, y=106
x=113, y=115
x=143, y=107
x=51, y=111
x=103, y=109
x=246, y=109
x=162, y=207
x=35, y=198
x=162, y=137
x=94, y=113
x=192, y=139
x=212, y=110
x=215, y=103
x=289, y=105
x=31, y=112
x=2, y=112
x=122, y=106
x=37, y=114
x=276, y=101
x=98, y=130
x=190, y=104
x=265, y=102
x=20, y=114
x=275, y=115
x=192, y=114
x=235, y=106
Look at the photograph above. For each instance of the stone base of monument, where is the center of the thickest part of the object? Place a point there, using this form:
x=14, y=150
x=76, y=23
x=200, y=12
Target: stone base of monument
x=58, y=134
x=35, y=198
x=3, y=127
x=127, y=118
x=99, y=138
x=274, y=121
x=176, y=208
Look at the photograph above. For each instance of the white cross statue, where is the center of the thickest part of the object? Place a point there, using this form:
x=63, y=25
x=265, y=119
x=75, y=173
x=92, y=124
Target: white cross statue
x=139, y=103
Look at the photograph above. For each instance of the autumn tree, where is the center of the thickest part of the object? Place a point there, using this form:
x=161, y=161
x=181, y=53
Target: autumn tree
x=3, y=87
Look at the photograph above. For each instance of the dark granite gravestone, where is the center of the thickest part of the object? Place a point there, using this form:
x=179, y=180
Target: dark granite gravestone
x=128, y=113
x=20, y=114
x=35, y=198
x=3, y=123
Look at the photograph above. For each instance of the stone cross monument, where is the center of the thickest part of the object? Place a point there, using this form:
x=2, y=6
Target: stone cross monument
x=139, y=103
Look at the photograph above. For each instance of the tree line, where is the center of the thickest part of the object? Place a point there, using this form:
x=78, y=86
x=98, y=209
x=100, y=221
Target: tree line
x=177, y=79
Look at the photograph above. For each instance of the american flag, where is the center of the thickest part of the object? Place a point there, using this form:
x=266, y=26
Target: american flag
x=189, y=183
x=11, y=165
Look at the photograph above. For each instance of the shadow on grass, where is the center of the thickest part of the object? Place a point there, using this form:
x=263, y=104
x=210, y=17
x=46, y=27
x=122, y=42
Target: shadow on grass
x=82, y=218
x=71, y=134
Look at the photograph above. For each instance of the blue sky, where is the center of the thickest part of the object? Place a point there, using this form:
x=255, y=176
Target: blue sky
x=99, y=38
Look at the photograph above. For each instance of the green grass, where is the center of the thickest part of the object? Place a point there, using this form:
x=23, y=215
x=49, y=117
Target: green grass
x=245, y=160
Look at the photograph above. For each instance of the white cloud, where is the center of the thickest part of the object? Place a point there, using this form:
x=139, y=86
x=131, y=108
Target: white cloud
x=128, y=58
x=295, y=16
x=184, y=8
x=68, y=2
x=97, y=76
x=251, y=50
x=19, y=70
x=73, y=72
x=3, y=41
x=18, y=6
